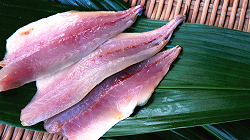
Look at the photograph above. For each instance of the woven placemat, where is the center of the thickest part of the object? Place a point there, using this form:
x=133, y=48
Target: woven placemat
x=8, y=132
x=233, y=14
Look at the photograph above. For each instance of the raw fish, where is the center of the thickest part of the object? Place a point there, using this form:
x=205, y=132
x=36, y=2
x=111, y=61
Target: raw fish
x=51, y=44
x=113, y=100
x=62, y=90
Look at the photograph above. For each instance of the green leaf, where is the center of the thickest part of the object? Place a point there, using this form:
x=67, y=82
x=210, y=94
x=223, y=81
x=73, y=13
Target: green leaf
x=224, y=131
x=234, y=130
x=207, y=84
x=192, y=133
x=110, y=5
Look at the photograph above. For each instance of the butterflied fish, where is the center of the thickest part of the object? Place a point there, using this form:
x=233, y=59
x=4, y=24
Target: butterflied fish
x=67, y=87
x=113, y=100
x=51, y=44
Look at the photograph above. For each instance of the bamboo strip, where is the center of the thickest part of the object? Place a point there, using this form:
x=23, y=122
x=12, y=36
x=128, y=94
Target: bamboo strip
x=143, y=2
x=29, y=135
x=233, y=14
x=198, y=18
x=55, y=137
x=163, y=12
x=195, y=12
x=45, y=136
x=182, y=8
x=40, y=135
x=187, y=8
x=133, y=3
x=226, y=22
x=213, y=14
x=35, y=135
x=242, y=14
x=171, y=16
x=25, y=134
x=50, y=137
x=2, y=126
x=14, y=133
x=19, y=134
x=248, y=28
x=151, y=8
x=146, y=8
x=223, y=13
x=160, y=8
x=204, y=12
x=208, y=17
x=178, y=8
x=170, y=4
x=8, y=131
x=154, y=11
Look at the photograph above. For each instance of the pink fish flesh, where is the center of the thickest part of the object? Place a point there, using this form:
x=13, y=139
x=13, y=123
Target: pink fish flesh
x=51, y=44
x=62, y=90
x=113, y=100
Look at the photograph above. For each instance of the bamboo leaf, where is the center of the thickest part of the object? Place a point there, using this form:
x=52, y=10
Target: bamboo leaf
x=224, y=131
x=207, y=84
x=110, y=5
x=234, y=130
x=173, y=134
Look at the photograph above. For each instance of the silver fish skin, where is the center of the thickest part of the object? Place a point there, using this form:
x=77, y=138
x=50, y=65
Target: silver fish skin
x=113, y=100
x=62, y=90
x=51, y=44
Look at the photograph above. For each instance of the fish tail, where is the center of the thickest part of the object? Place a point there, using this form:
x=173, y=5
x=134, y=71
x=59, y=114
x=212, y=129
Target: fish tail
x=134, y=11
x=166, y=30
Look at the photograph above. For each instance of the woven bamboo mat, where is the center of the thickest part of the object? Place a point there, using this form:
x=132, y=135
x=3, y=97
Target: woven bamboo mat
x=233, y=14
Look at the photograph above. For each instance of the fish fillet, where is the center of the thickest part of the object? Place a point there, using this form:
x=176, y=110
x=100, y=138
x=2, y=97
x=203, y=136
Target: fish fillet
x=113, y=100
x=51, y=44
x=67, y=87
